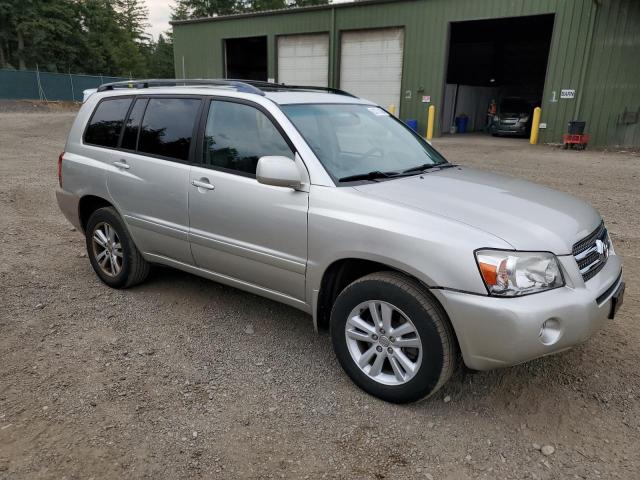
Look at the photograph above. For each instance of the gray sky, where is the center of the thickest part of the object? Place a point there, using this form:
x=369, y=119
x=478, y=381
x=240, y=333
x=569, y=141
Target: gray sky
x=160, y=12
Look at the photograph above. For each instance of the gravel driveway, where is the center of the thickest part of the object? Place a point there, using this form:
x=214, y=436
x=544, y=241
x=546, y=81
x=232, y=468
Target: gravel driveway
x=185, y=378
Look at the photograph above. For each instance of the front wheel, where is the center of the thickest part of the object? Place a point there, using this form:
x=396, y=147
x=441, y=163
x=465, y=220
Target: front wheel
x=392, y=337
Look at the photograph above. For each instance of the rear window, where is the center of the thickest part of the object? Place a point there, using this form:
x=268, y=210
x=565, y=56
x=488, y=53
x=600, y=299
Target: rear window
x=167, y=127
x=106, y=122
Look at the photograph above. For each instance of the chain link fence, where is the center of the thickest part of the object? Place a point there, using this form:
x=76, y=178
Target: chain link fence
x=35, y=85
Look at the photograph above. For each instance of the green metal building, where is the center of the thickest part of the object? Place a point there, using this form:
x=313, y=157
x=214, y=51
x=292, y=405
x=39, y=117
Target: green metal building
x=577, y=59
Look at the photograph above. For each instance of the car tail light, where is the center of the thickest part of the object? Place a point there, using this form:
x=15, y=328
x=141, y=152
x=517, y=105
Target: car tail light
x=60, y=169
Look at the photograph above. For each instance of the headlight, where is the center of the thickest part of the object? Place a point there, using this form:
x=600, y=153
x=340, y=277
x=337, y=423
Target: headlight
x=510, y=274
x=611, y=249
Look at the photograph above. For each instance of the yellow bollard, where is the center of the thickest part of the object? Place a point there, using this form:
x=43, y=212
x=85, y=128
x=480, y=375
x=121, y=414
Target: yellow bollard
x=431, y=121
x=392, y=109
x=535, y=125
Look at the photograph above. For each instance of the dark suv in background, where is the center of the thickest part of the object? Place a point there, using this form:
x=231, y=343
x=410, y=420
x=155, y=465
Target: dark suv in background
x=512, y=118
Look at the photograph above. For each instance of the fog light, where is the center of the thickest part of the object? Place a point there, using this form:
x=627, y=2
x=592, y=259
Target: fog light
x=550, y=331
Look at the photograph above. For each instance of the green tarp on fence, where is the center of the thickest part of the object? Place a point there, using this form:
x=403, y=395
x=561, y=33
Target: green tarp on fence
x=30, y=85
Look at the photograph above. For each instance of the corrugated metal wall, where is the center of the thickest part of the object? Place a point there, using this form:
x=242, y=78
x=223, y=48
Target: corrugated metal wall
x=612, y=84
x=595, y=50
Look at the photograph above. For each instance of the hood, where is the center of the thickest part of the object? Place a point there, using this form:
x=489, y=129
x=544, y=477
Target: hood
x=525, y=215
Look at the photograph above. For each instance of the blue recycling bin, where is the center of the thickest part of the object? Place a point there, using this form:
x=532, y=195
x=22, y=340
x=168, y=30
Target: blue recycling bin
x=461, y=124
x=412, y=124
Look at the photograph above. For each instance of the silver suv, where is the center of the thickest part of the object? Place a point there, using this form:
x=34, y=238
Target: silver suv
x=327, y=203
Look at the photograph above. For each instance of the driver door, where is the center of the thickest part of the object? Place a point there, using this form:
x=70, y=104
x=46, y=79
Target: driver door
x=252, y=233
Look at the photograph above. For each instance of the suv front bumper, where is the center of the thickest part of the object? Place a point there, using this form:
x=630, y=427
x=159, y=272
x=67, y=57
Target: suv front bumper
x=498, y=332
x=515, y=129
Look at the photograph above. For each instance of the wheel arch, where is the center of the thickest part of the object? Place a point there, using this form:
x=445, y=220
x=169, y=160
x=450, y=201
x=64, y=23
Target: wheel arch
x=342, y=272
x=89, y=204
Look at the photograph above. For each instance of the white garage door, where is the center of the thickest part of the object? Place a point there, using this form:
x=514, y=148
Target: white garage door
x=304, y=59
x=371, y=65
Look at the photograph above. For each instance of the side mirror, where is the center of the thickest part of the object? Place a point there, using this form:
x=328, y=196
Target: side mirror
x=279, y=172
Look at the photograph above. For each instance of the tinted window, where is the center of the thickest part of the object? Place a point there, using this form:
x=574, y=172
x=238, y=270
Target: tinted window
x=237, y=135
x=132, y=126
x=106, y=122
x=167, y=127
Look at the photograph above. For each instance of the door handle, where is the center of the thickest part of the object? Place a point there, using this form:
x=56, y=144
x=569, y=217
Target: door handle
x=122, y=164
x=202, y=183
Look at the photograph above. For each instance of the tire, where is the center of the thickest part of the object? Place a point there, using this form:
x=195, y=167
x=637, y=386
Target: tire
x=433, y=362
x=130, y=267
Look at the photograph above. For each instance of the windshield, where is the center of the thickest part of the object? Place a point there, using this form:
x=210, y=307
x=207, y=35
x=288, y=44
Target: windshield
x=514, y=106
x=355, y=140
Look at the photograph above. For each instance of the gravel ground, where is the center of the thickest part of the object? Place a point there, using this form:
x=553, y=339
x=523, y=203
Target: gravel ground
x=184, y=378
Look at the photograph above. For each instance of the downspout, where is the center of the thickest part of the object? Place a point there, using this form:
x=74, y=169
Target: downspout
x=586, y=58
x=333, y=81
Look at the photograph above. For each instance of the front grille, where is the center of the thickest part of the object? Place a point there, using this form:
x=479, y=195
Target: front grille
x=592, y=252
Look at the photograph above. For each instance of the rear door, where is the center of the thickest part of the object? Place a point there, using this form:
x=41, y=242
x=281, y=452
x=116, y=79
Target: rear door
x=149, y=180
x=242, y=229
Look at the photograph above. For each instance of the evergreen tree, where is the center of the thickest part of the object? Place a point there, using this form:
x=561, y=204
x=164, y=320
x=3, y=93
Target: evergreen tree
x=161, y=59
x=133, y=17
x=106, y=42
x=42, y=33
x=186, y=9
x=258, y=5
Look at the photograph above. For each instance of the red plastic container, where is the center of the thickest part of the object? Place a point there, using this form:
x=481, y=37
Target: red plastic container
x=578, y=142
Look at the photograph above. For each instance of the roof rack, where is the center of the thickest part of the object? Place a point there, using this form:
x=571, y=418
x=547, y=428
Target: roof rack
x=240, y=86
x=257, y=87
x=282, y=87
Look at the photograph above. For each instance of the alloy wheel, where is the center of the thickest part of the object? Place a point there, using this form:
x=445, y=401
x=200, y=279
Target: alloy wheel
x=107, y=249
x=383, y=342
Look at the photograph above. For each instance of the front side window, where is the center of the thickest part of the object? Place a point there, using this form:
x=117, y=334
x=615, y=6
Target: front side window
x=237, y=135
x=167, y=127
x=106, y=123
x=361, y=141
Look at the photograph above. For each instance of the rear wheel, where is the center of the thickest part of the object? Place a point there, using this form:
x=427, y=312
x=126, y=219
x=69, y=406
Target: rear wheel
x=392, y=337
x=113, y=255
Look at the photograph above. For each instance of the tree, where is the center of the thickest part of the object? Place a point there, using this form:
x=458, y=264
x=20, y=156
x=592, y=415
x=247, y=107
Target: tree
x=107, y=45
x=186, y=9
x=161, y=59
x=258, y=5
x=133, y=17
x=43, y=33
x=83, y=36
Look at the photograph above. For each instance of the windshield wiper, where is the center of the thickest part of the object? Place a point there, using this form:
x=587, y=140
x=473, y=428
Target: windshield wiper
x=429, y=166
x=375, y=174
